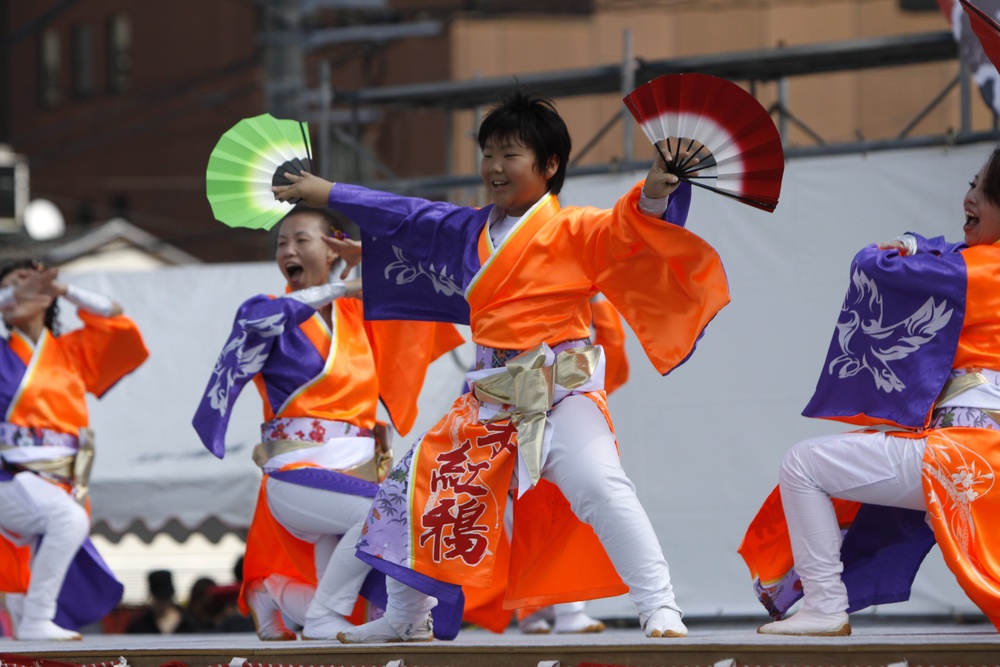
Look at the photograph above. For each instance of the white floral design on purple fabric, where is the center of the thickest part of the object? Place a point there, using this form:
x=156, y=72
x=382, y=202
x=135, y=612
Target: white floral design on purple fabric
x=236, y=362
x=386, y=530
x=880, y=343
x=407, y=272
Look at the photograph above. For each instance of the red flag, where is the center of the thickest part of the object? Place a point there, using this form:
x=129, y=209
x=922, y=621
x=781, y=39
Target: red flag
x=986, y=29
x=976, y=32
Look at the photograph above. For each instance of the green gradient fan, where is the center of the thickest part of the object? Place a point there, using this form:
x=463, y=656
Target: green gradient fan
x=250, y=158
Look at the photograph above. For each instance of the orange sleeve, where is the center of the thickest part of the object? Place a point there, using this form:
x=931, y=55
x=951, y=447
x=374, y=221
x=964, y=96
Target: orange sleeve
x=682, y=282
x=609, y=333
x=105, y=350
x=403, y=351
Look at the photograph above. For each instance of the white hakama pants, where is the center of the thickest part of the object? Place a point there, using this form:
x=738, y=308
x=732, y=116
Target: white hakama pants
x=874, y=468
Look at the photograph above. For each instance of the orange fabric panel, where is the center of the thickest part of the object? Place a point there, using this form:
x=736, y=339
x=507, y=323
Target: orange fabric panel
x=674, y=263
x=766, y=547
x=540, y=575
x=15, y=570
x=977, y=346
x=271, y=549
x=507, y=308
x=484, y=606
x=609, y=333
x=963, y=503
x=457, y=510
x=52, y=394
x=461, y=472
x=315, y=330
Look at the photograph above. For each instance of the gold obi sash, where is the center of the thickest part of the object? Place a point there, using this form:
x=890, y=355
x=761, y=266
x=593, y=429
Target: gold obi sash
x=962, y=383
x=525, y=388
x=373, y=470
x=72, y=470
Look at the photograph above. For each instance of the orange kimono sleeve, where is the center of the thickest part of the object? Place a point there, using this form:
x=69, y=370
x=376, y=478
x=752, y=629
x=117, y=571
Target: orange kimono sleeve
x=403, y=351
x=666, y=281
x=105, y=350
x=609, y=333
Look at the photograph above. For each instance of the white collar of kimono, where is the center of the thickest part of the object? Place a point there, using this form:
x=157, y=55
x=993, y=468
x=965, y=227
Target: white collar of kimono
x=498, y=213
x=26, y=339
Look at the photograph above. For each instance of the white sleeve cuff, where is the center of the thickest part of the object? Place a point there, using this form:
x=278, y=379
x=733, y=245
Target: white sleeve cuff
x=7, y=296
x=92, y=302
x=909, y=242
x=653, y=207
x=317, y=297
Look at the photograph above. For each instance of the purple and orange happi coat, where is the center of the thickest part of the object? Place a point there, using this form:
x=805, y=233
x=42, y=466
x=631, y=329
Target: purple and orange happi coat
x=43, y=387
x=437, y=520
x=907, y=326
x=304, y=369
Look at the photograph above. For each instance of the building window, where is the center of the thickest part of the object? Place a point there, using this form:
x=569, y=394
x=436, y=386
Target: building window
x=919, y=5
x=119, y=53
x=48, y=68
x=83, y=60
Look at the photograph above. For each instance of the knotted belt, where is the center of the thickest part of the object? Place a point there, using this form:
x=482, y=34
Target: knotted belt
x=73, y=469
x=525, y=389
x=373, y=470
x=962, y=383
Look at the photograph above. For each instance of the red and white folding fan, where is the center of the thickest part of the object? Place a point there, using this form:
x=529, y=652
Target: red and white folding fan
x=734, y=148
x=986, y=29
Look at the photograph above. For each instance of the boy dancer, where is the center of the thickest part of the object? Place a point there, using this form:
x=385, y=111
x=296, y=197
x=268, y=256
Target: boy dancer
x=536, y=416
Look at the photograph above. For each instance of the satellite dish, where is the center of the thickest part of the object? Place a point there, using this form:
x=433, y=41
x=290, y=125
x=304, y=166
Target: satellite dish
x=43, y=220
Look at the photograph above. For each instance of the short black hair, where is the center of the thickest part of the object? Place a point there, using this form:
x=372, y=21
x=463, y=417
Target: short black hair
x=532, y=120
x=52, y=312
x=991, y=177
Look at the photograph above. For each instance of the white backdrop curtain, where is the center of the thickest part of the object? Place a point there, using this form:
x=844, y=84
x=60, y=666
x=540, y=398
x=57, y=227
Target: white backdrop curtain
x=702, y=444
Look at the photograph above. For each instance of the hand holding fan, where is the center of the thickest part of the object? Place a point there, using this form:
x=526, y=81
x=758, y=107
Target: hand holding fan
x=732, y=144
x=249, y=159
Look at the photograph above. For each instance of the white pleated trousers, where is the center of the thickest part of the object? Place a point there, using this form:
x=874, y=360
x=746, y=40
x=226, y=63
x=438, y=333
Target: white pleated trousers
x=871, y=468
x=46, y=518
x=332, y=522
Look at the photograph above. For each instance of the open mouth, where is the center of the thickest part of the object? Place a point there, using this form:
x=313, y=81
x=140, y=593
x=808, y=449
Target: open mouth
x=970, y=220
x=293, y=271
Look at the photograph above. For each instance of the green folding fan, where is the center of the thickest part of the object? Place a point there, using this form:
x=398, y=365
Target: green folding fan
x=249, y=159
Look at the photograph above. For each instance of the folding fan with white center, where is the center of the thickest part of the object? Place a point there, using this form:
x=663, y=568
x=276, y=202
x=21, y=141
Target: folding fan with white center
x=249, y=158
x=732, y=144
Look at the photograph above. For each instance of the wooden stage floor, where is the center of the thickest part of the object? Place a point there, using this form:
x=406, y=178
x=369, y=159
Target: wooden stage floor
x=875, y=642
